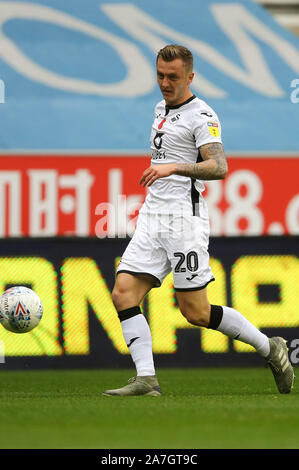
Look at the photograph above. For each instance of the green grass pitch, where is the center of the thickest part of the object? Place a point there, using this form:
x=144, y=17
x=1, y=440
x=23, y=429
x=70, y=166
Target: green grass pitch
x=200, y=408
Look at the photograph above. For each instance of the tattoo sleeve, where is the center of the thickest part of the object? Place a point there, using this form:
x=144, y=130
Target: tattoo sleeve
x=213, y=166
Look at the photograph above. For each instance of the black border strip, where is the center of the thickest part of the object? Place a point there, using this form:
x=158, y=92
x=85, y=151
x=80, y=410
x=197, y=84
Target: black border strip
x=136, y=273
x=177, y=106
x=179, y=289
x=194, y=199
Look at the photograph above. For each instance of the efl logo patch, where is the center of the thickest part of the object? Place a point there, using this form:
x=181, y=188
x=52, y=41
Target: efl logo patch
x=213, y=128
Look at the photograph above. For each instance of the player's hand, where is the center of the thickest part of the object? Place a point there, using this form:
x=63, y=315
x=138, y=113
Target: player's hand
x=154, y=172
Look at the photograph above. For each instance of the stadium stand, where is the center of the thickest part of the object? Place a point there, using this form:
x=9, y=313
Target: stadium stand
x=285, y=12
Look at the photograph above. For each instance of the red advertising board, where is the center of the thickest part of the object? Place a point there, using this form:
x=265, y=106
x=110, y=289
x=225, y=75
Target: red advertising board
x=65, y=195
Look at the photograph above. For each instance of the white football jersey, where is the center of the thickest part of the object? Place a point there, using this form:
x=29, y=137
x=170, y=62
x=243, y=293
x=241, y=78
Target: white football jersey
x=177, y=134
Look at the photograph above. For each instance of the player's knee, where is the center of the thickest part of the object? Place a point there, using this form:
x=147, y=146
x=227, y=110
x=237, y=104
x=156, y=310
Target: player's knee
x=198, y=315
x=120, y=297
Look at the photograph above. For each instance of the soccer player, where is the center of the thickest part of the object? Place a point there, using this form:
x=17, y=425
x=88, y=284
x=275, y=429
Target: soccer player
x=172, y=231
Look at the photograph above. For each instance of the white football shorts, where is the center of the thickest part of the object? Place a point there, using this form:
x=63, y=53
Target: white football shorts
x=163, y=243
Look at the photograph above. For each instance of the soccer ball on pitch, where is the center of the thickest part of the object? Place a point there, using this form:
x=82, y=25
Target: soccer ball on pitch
x=20, y=309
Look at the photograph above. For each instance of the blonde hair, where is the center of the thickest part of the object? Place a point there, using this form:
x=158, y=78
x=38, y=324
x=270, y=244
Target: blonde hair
x=173, y=51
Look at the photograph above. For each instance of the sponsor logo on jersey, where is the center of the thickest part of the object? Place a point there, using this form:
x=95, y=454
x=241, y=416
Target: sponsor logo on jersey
x=213, y=128
x=158, y=154
x=158, y=140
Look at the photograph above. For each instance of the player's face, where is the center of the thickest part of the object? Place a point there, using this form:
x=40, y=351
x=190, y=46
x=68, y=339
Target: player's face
x=174, y=81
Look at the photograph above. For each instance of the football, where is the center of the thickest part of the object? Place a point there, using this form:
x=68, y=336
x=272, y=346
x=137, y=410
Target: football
x=20, y=309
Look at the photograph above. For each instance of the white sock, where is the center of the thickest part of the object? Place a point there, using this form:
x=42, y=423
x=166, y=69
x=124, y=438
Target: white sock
x=138, y=338
x=236, y=326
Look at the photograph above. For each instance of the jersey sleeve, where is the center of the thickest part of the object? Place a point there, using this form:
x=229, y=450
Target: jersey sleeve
x=206, y=127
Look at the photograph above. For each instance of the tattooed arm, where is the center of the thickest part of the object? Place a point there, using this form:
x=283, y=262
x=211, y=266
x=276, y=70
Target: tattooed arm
x=213, y=167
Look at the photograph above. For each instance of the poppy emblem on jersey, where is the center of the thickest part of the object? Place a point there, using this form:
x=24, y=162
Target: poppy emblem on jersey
x=213, y=128
x=161, y=124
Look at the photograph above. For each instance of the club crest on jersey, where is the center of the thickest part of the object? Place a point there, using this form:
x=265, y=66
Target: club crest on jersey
x=213, y=128
x=175, y=118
